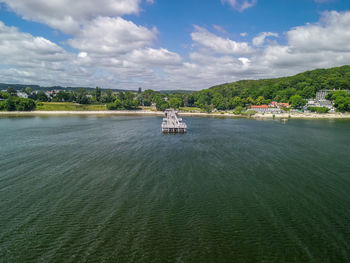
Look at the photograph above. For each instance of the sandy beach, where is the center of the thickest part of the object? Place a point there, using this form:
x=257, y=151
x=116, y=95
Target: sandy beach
x=183, y=114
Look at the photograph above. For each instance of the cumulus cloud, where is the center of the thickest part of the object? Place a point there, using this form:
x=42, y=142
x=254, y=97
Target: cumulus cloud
x=29, y=59
x=260, y=39
x=21, y=49
x=116, y=53
x=68, y=15
x=332, y=33
x=240, y=5
x=111, y=36
x=155, y=57
x=205, y=39
x=320, y=45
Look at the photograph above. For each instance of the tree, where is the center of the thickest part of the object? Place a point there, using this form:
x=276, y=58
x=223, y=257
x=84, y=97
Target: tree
x=82, y=97
x=238, y=110
x=260, y=100
x=236, y=102
x=219, y=101
x=109, y=95
x=4, y=95
x=2, y=106
x=61, y=96
x=116, y=105
x=98, y=94
x=297, y=102
x=10, y=104
x=41, y=96
x=12, y=91
x=308, y=92
x=23, y=104
x=318, y=109
x=175, y=102
x=161, y=104
x=28, y=90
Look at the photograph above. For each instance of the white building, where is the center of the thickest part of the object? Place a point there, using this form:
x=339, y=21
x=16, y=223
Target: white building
x=22, y=94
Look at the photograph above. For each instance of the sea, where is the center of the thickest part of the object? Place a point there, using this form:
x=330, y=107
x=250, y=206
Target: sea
x=115, y=189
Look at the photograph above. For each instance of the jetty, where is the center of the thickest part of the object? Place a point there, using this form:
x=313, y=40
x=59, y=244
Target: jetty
x=172, y=123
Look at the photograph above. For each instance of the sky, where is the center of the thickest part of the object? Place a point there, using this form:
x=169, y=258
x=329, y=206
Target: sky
x=168, y=44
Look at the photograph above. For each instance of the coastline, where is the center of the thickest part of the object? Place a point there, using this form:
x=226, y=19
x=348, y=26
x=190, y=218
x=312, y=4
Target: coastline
x=183, y=114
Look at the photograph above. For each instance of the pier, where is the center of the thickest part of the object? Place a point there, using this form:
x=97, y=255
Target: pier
x=172, y=123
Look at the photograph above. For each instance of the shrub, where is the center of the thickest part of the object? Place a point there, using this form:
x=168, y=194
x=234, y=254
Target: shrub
x=2, y=105
x=318, y=109
x=23, y=104
x=250, y=112
x=19, y=104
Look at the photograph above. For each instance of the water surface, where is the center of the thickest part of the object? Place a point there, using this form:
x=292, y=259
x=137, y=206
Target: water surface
x=114, y=189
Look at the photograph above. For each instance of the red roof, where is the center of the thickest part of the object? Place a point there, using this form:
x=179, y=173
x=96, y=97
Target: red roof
x=259, y=107
x=283, y=104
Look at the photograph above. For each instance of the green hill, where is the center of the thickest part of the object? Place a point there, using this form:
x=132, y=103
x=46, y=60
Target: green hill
x=231, y=95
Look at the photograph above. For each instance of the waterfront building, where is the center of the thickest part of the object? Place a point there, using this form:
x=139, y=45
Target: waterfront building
x=22, y=94
x=320, y=100
x=265, y=109
x=283, y=105
x=279, y=105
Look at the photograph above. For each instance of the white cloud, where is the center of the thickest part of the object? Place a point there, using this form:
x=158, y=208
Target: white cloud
x=260, y=39
x=112, y=36
x=68, y=15
x=219, y=29
x=332, y=33
x=155, y=57
x=240, y=5
x=29, y=59
x=243, y=34
x=116, y=53
x=320, y=45
x=17, y=47
x=219, y=45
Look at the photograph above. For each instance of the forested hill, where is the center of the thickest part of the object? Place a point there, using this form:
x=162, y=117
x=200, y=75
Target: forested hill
x=281, y=89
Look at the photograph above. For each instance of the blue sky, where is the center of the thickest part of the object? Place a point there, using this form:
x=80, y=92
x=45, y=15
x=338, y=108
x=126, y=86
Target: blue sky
x=162, y=44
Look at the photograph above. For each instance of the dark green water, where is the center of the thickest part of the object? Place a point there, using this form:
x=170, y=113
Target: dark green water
x=114, y=189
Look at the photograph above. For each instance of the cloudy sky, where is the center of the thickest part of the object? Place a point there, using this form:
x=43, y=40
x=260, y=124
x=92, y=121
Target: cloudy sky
x=168, y=44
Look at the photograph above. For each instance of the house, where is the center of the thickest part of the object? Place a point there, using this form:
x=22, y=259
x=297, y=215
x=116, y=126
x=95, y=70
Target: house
x=283, y=105
x=319, y=101
x=22, y=94
x=265, y=109
x=275, y=104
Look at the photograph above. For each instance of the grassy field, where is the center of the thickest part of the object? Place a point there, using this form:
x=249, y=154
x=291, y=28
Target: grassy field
x=68, y=106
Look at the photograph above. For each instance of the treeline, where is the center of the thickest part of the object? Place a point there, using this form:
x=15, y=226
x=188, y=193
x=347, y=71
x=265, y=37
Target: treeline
x=132, y=100
x=81, y=96
x=305, y=85
x=20, y=87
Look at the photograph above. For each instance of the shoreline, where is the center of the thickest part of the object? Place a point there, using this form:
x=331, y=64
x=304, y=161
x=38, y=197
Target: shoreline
x=183, y=114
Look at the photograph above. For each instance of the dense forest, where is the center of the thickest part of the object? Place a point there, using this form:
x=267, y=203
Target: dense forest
x=240, y=93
